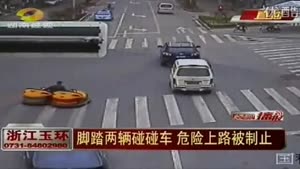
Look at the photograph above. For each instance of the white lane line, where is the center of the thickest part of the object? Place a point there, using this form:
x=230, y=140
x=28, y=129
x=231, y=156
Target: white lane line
x=142, y=113
x=275, y=50
x=216, y=38
x=290, y=60
x=178, y=31
x=202, y=31
x=154, y=17
x=130, y=27
x=292, y=133
x=113, y=44
x=229, y=38
x=77, y=117
x=145, y=43
x=191, y=31
x=243, y=38
x=120, y=23
x=176, y=159
x=273, y=46
x=188, y=38
x=174, y=39
x=295, y=71
x=47, y=113
x=159, y=42
x=287, y=64
x=110, y=113
x=203, y=109
x=293, y=67
x=202, y=38
x=259, y=43
x=227, y=102
x=283, y=54
x=294, y=90
x=285, y=57
x=173, y=110
x=254, y=100
x=128, y=44
x=125, y=34
x=282, y=101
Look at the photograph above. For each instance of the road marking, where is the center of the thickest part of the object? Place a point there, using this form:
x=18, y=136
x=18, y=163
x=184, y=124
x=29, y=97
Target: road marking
x=285, y=57
x=295, y=71
x=178, y=31
x=216, y=38
x=128, y=44
x=203, y=109
x=292, y=133
x=125, y=34
x=176, y=159
x=227, y=102
x=188, y=38
x=113, y=44
x=291, y=60
x=273, y=46
x=229, y=38
x=297, y=74
x=191, y=31
x=173, y=110
x=142, y=113
x=154, y=17
x=120, y=23
x=77, y=117
x=294, y=90
x=159, y=42
x=293, y=67
x=274, y=50
x=110, y=113
x=145, y=43
x=201, y=30
x=283, y=54
x=282, y=101
x=254, y=100
x=243, y=38
x=130, y=27
x=202, y=38
x=286, y=64
x=139, y=33
x=174, y=39
x=141, y=16
x=47, y=113
x=258, y=43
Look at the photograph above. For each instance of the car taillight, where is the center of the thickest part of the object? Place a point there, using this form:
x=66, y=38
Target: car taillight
x=211, y=81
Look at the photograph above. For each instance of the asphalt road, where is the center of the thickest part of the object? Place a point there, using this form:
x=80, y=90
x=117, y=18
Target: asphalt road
x=130, y=76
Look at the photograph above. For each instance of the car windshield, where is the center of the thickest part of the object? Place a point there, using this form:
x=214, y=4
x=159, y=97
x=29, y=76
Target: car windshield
x=166, y=6
x=193, y=72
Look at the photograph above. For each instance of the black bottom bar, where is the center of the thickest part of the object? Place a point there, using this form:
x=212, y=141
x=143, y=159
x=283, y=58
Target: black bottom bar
x=48, y=47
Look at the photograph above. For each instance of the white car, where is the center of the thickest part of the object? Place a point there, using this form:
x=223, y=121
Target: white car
x=192, y=75
x=165, y=8
x=52, y=2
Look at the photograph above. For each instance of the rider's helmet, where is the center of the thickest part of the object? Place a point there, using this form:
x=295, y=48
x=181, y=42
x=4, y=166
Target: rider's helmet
x=59, y=82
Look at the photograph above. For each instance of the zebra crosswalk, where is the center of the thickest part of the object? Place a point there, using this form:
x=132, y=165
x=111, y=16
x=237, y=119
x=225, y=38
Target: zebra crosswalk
x=174, y=110
x=152, y=42
x=284, y=53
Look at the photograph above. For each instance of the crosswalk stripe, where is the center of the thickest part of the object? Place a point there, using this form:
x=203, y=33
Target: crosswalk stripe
x=174, y=39
x=275, y=50
x=229, y=38
x=227, y=102
x=290, y=60
x=188, y=38
x=286, y=64
x=243, y=37
x=282, y=101
x=298, y=74
x=110, y=113
x=159, y=41
x=293, y=67
x=202, y=38
x=294, y=90
x=173, y=110
x=202, y=31
x=268, y=42
x=283, y=54
x=145, y=43
x=176, y=159
x=113, y=44
x=142, y=113
x=128, y=44
x=295, y=71
x=47, y=113
x=77, y=117
x=254, y=100
x=285, y=57
x=203, y=109
x=216, y=38
x=273, y=46
x=191, y=31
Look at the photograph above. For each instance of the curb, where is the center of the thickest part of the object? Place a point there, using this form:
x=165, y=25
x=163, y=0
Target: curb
x=200, y=23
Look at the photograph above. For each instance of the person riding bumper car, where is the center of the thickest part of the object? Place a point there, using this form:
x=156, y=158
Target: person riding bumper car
x=56, y=95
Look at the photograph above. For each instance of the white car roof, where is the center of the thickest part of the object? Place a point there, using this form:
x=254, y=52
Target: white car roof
x=165, y=3
x=189, y=62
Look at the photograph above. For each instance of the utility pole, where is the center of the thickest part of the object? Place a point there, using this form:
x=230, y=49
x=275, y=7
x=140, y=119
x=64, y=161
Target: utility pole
x=74, y=9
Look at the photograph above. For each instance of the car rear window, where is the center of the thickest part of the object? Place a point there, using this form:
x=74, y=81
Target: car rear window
x=193, y=72
x=165, y=5
x=181, y=49
x=103, y=13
